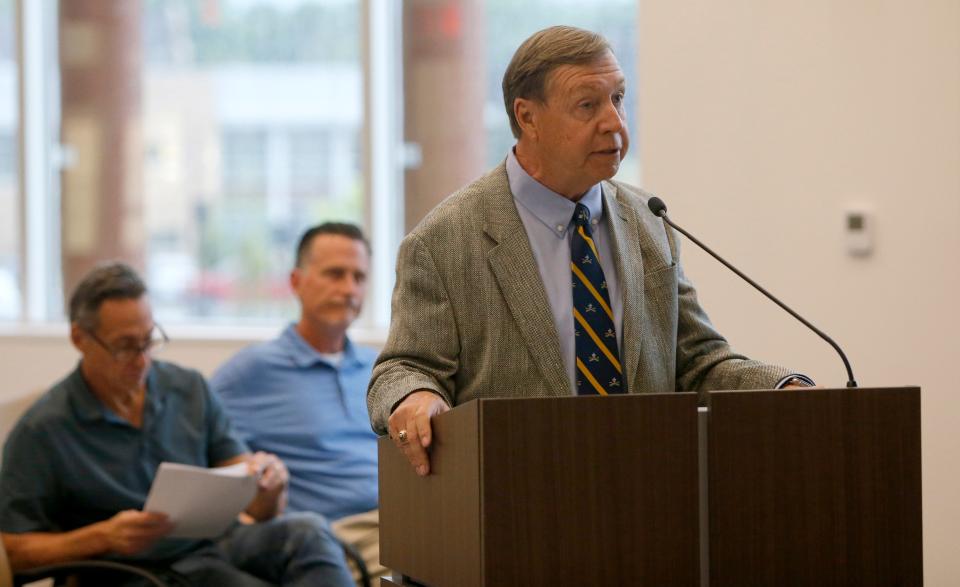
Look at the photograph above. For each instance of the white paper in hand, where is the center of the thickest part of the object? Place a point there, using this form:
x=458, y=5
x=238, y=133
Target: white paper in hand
x=202, y=503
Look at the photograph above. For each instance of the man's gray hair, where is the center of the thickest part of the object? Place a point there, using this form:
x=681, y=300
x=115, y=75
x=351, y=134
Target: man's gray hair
x=526, y=76
x=108, y=281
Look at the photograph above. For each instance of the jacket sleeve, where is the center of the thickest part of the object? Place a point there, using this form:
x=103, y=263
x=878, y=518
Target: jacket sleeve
x=705, y=360
x=422, y=350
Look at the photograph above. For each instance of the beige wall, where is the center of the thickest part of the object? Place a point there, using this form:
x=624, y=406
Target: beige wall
x=760, y=123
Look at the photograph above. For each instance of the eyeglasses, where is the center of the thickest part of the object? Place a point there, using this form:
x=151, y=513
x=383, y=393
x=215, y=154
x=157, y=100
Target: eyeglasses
x=128, y=352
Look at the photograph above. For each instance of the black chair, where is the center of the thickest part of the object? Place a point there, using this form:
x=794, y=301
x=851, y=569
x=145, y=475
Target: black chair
x=98, y=572
x=354, y=558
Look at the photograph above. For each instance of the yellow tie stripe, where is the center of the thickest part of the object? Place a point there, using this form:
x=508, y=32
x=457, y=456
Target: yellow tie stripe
x=596, y=339
x=593, y=381
x=589, y=240
x=591, y=289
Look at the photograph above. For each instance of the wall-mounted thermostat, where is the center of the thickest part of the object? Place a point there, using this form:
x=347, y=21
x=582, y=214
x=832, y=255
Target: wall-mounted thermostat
x=858, y=231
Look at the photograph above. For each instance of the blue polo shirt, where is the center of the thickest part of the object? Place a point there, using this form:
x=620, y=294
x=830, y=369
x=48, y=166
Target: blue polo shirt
x=70, y=461
x=286, y=398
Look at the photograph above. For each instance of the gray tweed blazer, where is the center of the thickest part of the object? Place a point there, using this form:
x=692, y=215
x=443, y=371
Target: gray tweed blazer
x=471, y=318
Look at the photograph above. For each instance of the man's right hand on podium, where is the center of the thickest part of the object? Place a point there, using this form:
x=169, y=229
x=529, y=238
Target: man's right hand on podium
x=409, y=427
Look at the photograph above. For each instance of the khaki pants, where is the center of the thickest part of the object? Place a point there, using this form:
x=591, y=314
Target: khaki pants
x=362, y=531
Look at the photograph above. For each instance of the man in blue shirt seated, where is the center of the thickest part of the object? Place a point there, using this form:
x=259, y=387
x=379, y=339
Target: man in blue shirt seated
x=302, y=396
x=79, y=464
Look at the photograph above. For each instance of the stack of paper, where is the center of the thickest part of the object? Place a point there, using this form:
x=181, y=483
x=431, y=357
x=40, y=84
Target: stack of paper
x=202, y=503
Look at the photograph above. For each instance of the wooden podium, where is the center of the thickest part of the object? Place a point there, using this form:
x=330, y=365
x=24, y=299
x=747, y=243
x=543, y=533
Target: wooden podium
x=813, y=487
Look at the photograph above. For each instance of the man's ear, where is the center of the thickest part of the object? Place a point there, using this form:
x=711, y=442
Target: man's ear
x=76, y=336
x=527, y=113
x=295, y=277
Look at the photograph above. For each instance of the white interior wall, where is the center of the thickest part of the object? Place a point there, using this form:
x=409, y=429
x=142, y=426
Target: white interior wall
x=760, y=124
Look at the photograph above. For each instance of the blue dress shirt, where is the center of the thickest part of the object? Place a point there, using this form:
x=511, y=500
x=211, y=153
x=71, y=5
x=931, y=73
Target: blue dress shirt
x=548, y=219
x=286, y=398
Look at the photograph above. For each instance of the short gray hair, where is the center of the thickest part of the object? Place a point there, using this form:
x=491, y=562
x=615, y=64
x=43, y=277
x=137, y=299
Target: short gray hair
x=526, y=76
x=108, y=281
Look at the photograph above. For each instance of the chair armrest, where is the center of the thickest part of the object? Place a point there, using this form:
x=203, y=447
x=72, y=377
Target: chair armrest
x=76, y=567
x=354, y=556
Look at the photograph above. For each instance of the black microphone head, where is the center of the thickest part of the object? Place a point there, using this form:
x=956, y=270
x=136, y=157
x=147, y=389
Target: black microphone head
x=657, y=206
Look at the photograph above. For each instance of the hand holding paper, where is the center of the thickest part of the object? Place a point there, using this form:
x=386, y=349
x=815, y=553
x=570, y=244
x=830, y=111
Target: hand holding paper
x=130, y=532
x=200, y=502
x=272, y=478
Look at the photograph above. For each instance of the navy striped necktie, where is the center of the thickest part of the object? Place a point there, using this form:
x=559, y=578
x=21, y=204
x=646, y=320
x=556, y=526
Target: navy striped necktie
x=598, y=359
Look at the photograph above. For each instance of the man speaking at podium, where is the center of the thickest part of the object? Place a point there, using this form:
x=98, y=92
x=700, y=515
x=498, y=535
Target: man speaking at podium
x=545, y=277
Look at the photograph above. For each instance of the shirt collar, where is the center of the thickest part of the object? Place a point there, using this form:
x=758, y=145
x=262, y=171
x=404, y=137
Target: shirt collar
x=89, y=408
x=549, y=207
x=305, y=355
x=85, y=404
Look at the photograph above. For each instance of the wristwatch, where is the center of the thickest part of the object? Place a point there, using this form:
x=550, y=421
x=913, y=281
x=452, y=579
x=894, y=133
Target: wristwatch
x=795, y=379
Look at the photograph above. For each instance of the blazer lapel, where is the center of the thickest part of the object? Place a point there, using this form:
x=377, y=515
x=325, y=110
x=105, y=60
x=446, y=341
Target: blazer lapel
x=516, y=272
x=628, y=259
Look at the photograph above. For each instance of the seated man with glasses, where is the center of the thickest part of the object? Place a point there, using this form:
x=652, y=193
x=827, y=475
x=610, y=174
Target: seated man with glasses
x=79, y=464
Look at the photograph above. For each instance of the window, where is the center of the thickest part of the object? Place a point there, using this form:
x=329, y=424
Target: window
x=196, y=139
x=9, y=165
x=242, y=123
x=252, y=117
x=312, y=165
x=244, y=168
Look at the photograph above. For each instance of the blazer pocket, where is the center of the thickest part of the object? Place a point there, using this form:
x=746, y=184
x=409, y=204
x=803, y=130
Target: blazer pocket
x=660, y=278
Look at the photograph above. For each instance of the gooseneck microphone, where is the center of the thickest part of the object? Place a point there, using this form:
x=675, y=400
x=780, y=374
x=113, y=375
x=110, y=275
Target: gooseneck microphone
x=658, y=208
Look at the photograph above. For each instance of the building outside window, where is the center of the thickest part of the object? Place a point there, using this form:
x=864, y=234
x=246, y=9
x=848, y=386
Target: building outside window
x=252, y=120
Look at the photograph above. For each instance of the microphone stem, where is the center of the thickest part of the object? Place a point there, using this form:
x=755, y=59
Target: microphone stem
x=851, y=382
